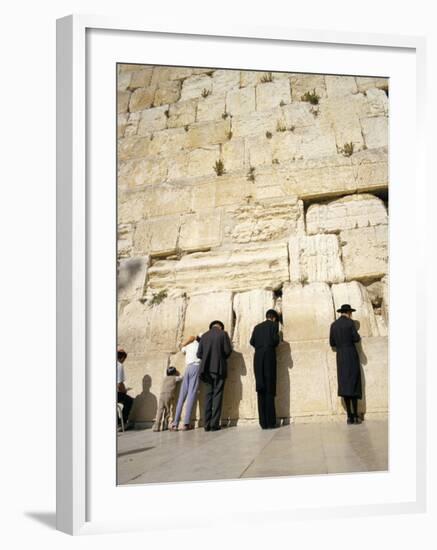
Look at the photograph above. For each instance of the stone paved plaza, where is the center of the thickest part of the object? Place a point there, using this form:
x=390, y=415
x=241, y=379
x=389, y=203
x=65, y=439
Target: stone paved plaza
x=246, y=451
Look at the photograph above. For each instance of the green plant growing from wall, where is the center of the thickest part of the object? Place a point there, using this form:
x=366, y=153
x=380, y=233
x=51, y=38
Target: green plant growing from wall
x=269, y=135
x=205, y=92
x=251, y=174
x=267, y=77
x=158, y=298
x=347, y=149
x=225, y=115
x=311, y=97
x=219, y=167
x=275, y=161
x=229, y=134
x=280, y=127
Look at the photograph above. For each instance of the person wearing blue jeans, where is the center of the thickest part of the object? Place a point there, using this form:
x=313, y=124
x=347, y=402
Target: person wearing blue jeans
x=190, y=384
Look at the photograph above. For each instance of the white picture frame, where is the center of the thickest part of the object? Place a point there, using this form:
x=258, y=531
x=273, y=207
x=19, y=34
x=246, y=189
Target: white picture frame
x=74, y=279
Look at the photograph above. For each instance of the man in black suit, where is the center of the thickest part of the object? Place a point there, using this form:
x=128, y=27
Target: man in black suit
x=214, y=349
x=343, y=336
x=265, y=338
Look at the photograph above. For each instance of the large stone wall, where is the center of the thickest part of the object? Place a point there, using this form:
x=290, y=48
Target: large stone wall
x=237, y=194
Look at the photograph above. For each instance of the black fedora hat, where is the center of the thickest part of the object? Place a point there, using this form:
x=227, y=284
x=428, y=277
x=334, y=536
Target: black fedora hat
x=345, y=308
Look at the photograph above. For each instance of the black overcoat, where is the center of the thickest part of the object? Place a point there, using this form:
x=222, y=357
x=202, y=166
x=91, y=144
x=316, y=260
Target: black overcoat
x=214, y=349
x=343, y=336
x=265, y=338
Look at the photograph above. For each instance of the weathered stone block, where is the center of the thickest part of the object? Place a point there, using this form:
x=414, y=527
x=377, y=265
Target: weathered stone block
x=365, y=83
x=268, y=220
x=356, y=294
x=148, y=171
x=302, y=83
x=375, y=130
x=131, y=277
x=242, y=269
x=141, y=78
x=171, y=141
x=371, y=169
x=298, y=114
x=207, y=133
x=364, y=252
x=132, y=124
x=201, y=231
x=124, y=240
x=316, y=141
x=123, y=98
x=250, y=309
x=122, y=119
x=193, y=86
x=256, y=123
x=315, y=259
x=339, y=86
x=201, y=161
x=141, y=98
x=232, y=189
x=182, y=113
x=123, y=81
x=271, y=94
x=165, y=200
x=157, y=236
x=344, y=114
x=350, y=212
x=240, y=101
x=130, y=207
x=307, y=311
x=164, y=326
x=251, y=78
x=224, y=80
x=377, y=102
x=153, y=120
x=258, y=151
x=132, y=323
x=133, y=148
x=167, y=92
x=211, y=108
x=204, y=308
x=233, y=154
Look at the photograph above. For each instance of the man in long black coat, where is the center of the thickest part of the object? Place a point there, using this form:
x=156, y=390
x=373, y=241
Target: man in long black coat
x=343, y=336
x=265, y=338
x=214, y=349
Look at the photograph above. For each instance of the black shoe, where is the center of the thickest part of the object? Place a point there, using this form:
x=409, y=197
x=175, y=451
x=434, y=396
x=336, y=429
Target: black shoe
x=207, y=428
x=357, y=420
x=216, y=429
x=350, y=420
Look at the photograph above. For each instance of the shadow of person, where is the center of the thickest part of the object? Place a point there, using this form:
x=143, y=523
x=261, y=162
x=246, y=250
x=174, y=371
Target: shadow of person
x=284, y=364
x=233, y=392
x=145, y=404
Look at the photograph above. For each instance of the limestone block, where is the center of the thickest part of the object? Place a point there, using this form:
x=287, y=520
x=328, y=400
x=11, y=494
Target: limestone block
x=250, y=78
x=308, y=388
x=166, y=199
x=270, y=94
x=203, y=196
x=350, y=212
x=122, y=119
x=257, y=266
x=231, y=189
x=233, y=154
x=152, y=120
x=338, y=86
x=141, y=78
x=177, y=73
x=364, y=252
x=286, y=146
x=250, y=309
x=375, y=130
x=144, y=373
x=182, y=113
x=168, y=141
x=141, y=98
x=224, y=80
x=123, y=81
x=130, y=207
x=177, y=166
x=193, y=86
x=201, y=162
x=211, y=108
x=133, y=148
x=298, y=114
x=385, y=299
x=124, y=240
x=123, y=98
x=316, y=141
x=164, y=325
x=266, y=220
x=356, y=294
x=239, y=398
x=371, y=169
x=157, y=236
x=377, y=101
x=315, y=259
x=344, y=113
x=201, y=231
x=132, y=323
x=302, y=83
x=258, y=151
x=207, y=307
x=131, y=277
x=147, y=171
x=365, y=83
x=208, y=133
x=307, y=311
x=257, y=123
x=167, y=92
x=132, y=124
x=240, y=101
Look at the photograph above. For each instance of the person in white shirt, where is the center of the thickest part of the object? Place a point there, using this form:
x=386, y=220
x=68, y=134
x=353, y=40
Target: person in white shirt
x=190, y=384
x=122, y=396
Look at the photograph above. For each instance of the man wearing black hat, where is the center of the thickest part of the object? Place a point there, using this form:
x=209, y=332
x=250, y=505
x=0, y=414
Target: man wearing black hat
x=343, y=336
x=213, y=351
x=265, y=338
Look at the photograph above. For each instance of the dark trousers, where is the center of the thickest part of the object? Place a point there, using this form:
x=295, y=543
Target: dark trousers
x=127, y=404
x=213, y=400
x=266, y=410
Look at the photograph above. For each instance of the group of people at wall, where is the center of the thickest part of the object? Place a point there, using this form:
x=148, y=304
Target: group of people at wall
x=206, y=358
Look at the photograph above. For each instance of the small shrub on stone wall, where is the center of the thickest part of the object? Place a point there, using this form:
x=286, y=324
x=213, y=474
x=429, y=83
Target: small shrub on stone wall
x=311, y=97
x=219, y=167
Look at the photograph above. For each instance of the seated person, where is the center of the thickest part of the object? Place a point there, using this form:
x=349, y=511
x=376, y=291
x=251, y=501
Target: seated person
x=122, y=396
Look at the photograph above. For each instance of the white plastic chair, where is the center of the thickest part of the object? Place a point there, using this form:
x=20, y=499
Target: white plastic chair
x=120, y=415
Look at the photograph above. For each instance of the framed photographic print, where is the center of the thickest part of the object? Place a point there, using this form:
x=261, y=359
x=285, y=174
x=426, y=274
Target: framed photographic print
x=231, y=266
